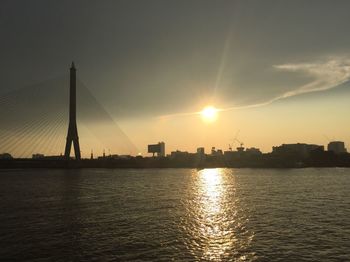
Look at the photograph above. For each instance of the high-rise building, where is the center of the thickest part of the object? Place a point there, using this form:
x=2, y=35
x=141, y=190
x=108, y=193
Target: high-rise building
x=162, y=149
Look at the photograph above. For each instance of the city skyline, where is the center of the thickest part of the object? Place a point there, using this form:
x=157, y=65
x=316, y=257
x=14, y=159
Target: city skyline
x=279, y=80
x=175, y=130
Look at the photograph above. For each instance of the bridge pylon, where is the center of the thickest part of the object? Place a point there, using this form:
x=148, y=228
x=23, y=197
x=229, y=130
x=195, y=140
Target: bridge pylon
x=72, y=135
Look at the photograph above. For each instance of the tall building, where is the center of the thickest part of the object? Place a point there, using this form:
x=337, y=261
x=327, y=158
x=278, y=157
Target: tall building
x=200, y=154
x=72, y=136
x=200, y=151
x=337, y=147
x=162, y=149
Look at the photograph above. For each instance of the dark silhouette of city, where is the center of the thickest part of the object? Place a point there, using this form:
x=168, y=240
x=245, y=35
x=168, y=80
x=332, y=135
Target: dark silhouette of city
x=284, y=156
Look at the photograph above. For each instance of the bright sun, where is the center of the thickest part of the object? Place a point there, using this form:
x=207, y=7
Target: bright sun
x=209, y=114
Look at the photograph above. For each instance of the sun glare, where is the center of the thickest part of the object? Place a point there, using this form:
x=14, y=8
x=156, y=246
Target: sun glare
x=209, y=114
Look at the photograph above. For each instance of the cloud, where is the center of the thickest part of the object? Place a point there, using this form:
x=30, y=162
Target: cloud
x=326, y=75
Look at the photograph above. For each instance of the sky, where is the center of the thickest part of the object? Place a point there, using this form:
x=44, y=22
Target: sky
x=277, y=70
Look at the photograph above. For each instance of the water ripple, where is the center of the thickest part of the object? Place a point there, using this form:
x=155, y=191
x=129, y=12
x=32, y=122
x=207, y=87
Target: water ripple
x=175, y=215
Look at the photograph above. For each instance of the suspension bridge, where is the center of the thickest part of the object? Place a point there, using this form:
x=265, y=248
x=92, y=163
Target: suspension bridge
x=35, y=119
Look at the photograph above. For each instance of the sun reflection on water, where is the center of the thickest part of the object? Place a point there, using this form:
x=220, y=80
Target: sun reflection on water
x=216, y=220
x=212, y=192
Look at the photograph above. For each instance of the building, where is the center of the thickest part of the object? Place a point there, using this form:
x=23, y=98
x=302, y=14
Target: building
x=200, y=154
x=162, y=149
x=230, y=155
x=216, y=152
x=38, y=156
x=158, y=149
x=299, y=149
x=213, y=151
x=179, y=154
x=253, y=151
x=121, y=156
x=200, y=151
x=5, y=156
x=240, y=149
x=337, y=147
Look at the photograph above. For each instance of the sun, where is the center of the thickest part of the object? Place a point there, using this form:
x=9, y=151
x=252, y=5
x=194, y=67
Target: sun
x=209, y=114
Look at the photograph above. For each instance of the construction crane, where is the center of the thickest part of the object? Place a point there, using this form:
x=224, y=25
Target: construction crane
x=235, y=139
x=240, y=148
x=240, y=142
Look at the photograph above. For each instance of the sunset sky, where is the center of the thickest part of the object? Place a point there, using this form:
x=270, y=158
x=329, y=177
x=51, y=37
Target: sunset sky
x=277, y=71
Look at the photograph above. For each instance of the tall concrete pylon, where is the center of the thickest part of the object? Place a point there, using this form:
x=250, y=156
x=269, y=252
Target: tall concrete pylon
x=72, y=135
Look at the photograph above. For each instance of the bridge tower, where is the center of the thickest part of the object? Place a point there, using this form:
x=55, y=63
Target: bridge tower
x=72, y=135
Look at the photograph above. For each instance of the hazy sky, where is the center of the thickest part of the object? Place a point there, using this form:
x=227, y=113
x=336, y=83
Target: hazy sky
x=144, y=60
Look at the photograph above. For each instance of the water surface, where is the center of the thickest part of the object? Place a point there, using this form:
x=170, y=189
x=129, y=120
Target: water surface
x=175, y=214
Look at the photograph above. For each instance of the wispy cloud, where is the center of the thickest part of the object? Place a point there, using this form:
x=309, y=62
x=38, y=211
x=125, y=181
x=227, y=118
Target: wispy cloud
x=326, y=74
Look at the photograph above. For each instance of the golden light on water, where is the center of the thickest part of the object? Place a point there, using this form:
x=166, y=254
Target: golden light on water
x=216, y=220
x=211, y=179
x=209, y=114
x=211, y=209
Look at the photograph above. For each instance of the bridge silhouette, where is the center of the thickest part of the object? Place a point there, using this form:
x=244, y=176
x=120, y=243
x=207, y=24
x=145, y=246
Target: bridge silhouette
x=34, y=119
